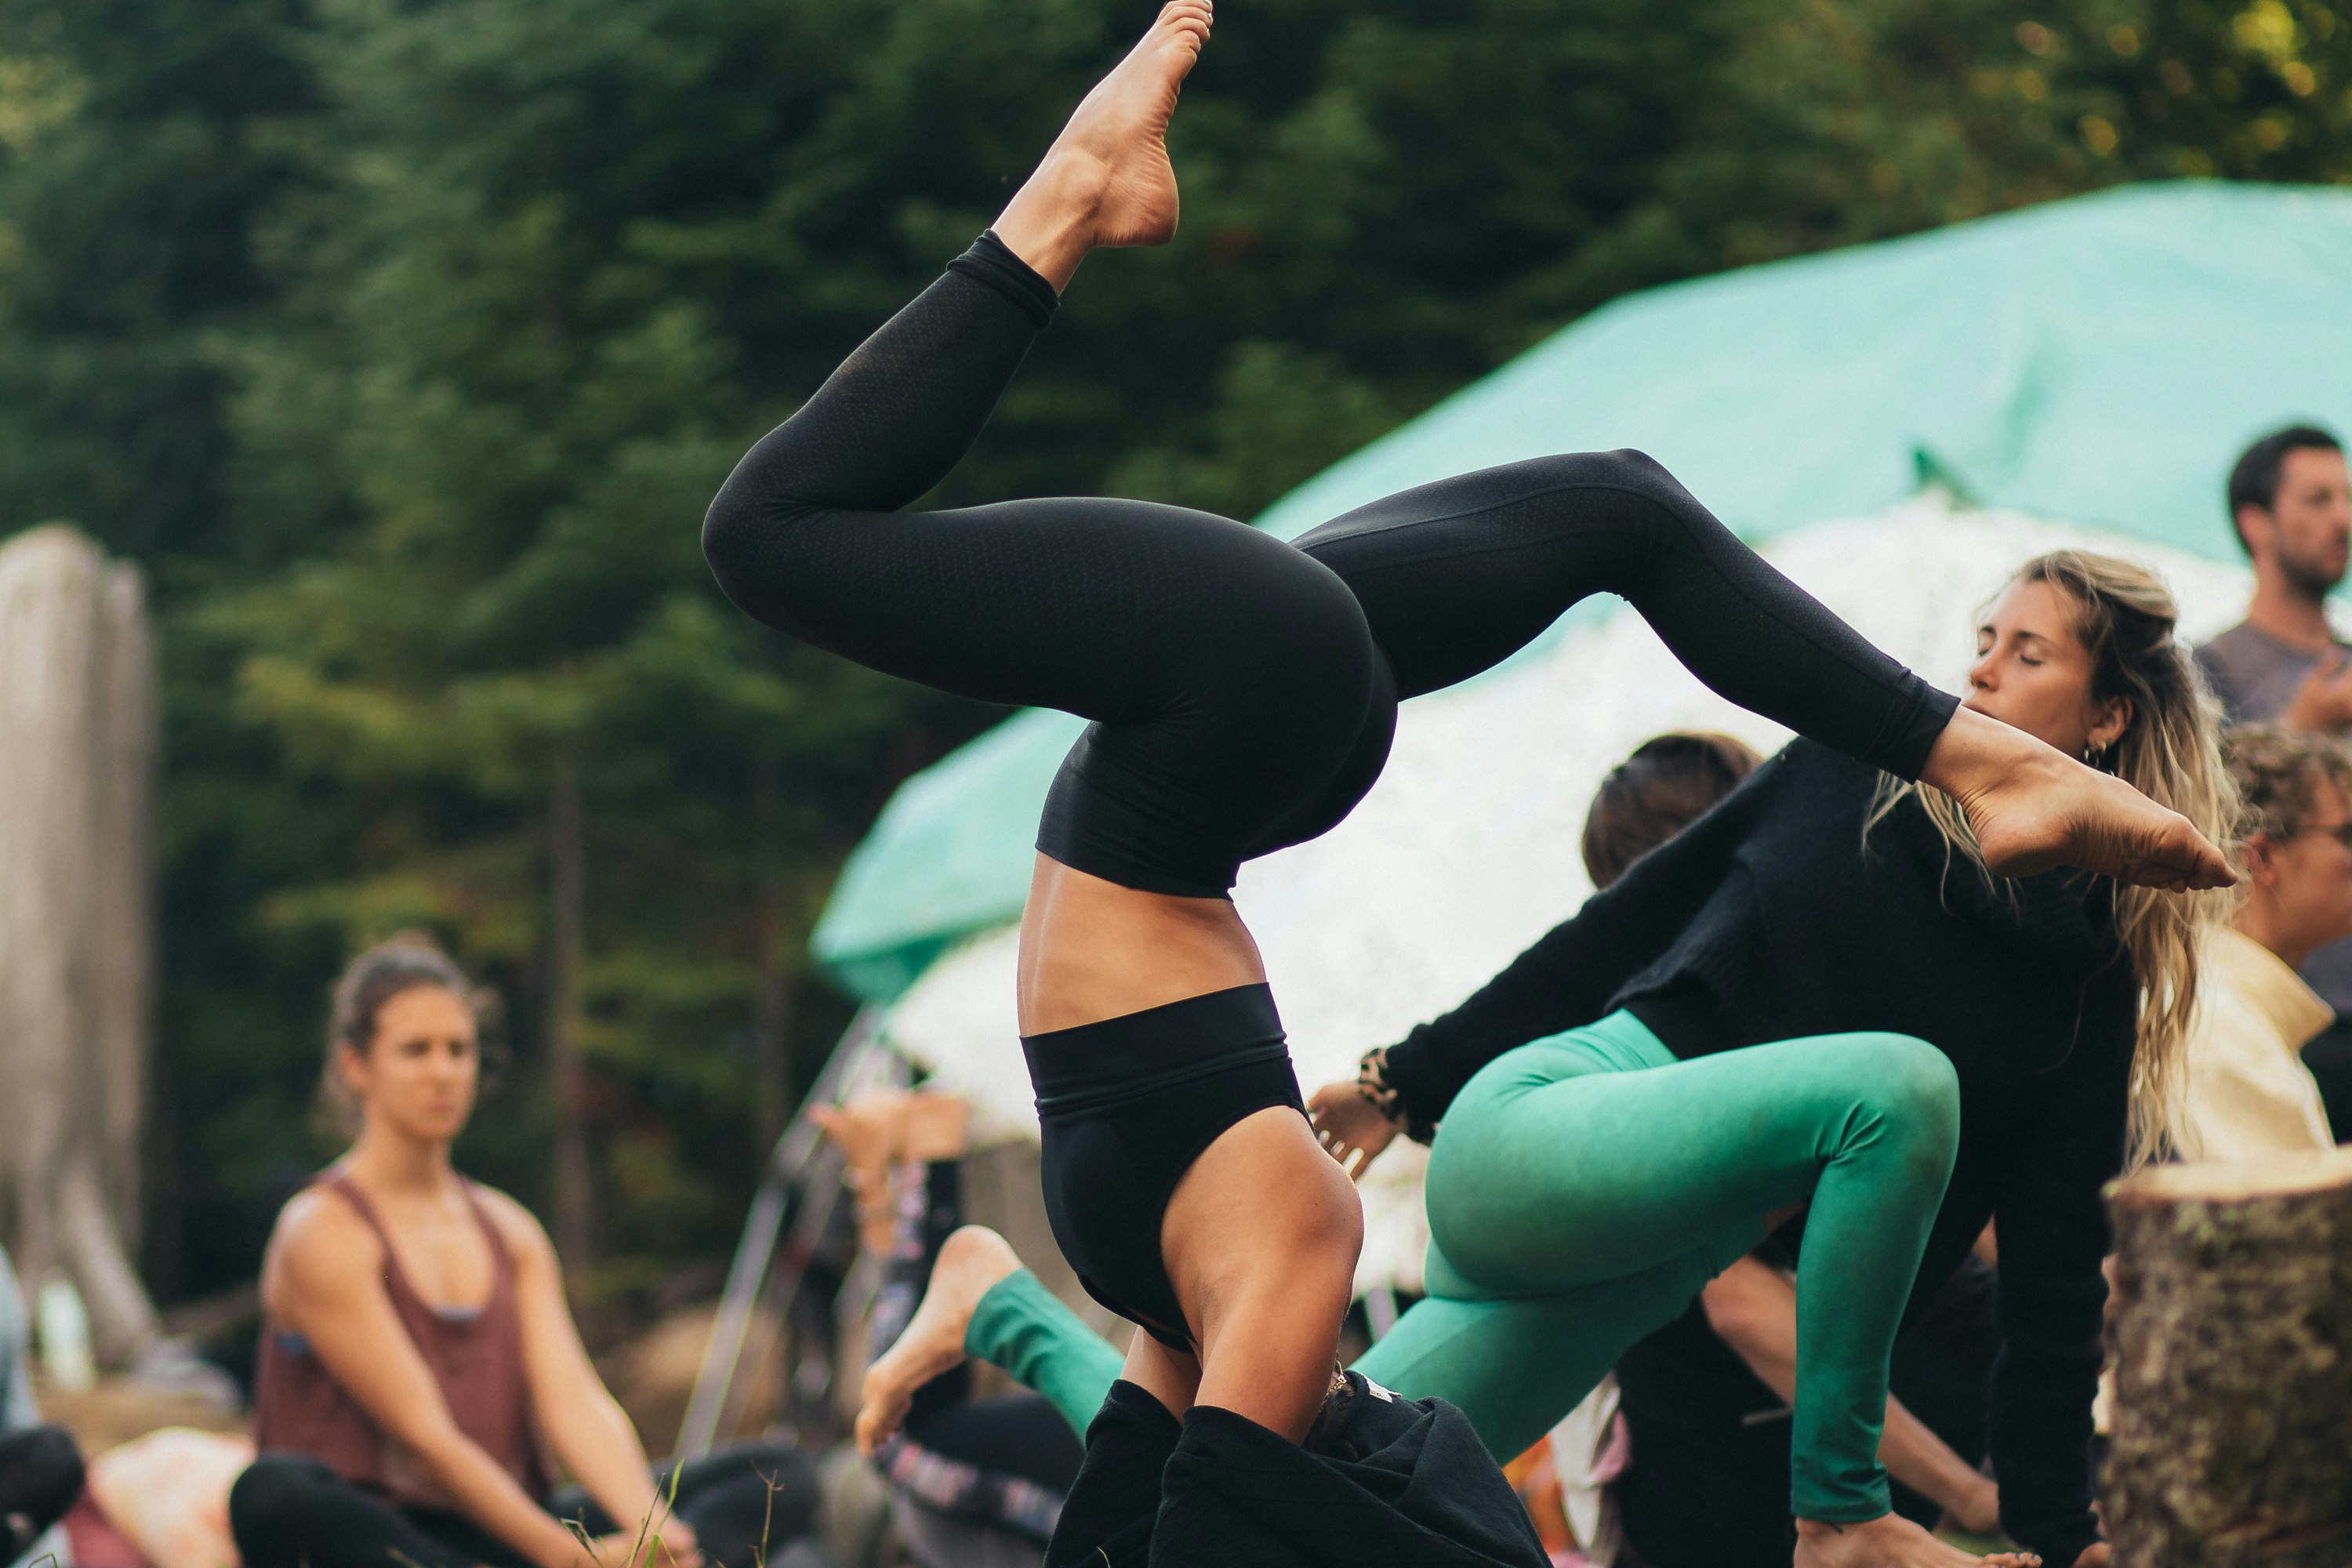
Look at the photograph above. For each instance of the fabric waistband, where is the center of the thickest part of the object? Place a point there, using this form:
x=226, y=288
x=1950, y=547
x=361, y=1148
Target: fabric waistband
x=1119, y=1058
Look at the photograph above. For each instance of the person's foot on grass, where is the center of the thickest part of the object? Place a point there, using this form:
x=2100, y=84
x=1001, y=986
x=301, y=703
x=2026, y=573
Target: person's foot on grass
x=1890, y=1540
x=2034, y=809
x=970, y=1264
x=1106, y=180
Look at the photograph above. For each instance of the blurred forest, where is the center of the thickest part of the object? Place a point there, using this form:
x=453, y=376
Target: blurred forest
x=404, y=341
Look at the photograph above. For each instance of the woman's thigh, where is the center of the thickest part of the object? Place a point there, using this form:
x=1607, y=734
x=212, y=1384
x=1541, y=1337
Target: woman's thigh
x=1593, y=1155
x=1516, y=1365
x=288, y=1511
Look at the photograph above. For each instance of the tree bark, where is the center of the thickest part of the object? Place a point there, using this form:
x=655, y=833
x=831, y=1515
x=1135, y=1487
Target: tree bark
x=74, y=918
x=2231, y=1334
x=565, y=900
x=122, y=955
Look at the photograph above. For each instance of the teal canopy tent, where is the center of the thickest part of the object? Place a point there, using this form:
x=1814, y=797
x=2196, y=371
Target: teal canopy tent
x=2101, y=360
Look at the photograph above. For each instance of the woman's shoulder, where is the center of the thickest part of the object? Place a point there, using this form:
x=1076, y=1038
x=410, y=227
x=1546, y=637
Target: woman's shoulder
x=319, y=1240
x=516, y=1226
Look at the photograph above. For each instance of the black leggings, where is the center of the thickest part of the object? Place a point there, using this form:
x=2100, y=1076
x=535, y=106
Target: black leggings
x=40, y=1476
x=288, y=1511
x=1243, y=691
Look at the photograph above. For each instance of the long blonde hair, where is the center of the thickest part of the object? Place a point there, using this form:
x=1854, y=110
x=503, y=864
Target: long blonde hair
x=2170, y=752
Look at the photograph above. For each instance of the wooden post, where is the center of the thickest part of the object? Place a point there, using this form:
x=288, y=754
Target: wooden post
x=2232, y=1336
x=122, y=957
x=76, y=743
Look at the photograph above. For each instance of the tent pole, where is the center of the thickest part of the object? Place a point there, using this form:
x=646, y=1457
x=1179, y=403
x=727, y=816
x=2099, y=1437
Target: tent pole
x=853, y=1063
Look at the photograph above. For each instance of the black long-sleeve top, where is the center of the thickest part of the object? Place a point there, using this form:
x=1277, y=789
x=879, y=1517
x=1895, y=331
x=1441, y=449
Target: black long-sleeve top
x=1769, y=918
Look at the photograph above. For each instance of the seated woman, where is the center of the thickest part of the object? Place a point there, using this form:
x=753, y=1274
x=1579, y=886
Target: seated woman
x=416, y=1349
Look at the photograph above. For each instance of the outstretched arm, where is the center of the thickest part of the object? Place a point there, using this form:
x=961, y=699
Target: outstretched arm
x=1572, y=974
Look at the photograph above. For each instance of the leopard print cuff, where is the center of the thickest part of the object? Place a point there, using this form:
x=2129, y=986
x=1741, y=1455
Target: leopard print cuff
x=1373, y=1083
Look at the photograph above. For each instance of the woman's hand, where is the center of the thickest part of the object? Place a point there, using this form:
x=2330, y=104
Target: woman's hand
x=678, y=1544
x=1977, y=1510
x=1349, y=1126
x=673, y=1547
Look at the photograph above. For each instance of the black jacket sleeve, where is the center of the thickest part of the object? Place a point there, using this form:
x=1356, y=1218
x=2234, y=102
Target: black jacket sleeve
x=2062, y=916
x=1570, y=975
x=2052, y=1233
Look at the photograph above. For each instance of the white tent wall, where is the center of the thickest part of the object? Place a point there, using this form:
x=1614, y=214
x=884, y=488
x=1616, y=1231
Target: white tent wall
x=1468, y=848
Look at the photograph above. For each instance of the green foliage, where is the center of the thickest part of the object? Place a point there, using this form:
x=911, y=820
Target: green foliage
x=405, y=339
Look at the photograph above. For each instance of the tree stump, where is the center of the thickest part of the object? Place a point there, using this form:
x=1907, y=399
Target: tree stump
x=76, y=751
x=2231, y=1334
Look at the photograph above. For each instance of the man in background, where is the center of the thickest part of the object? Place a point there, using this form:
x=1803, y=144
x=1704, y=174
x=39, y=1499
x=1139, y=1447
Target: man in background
x=2290, y=502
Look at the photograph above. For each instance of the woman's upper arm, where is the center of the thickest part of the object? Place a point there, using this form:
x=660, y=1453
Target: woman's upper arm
x=555, y=1363
x=330, y=1274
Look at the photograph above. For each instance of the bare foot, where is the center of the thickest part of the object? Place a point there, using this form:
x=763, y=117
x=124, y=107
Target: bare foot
x=1890, y=1540
x=2034, y=808
x=970, y=1261
x=871, y=1132
x=1106, y=180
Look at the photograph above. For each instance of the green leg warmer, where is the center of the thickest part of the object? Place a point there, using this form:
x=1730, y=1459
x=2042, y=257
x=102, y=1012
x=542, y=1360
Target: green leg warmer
x=1020, y=1326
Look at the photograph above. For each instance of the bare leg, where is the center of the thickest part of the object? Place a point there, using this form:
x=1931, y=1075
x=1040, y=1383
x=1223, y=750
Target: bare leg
x=2034, y=808
x=1171, y=1377
x=971, y=1260
x=1261, y=1242
x=1890, y=1540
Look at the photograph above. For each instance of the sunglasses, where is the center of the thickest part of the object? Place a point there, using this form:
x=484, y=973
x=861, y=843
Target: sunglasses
x=2341, y=833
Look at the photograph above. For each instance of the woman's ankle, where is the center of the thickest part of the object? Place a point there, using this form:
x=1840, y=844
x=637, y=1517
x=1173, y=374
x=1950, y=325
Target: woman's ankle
x=1049, y=223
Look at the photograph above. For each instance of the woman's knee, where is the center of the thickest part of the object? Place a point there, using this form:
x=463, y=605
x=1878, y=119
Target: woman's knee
x=271, y=1499
x=1625, y=469
x=44, y=1468
x=1913, y=1086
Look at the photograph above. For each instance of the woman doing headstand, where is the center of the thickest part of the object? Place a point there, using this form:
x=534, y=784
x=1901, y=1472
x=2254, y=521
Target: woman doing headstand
x=1242, y=695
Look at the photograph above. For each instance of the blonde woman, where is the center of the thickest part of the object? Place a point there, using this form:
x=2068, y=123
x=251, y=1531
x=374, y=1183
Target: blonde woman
x=1582, y=1188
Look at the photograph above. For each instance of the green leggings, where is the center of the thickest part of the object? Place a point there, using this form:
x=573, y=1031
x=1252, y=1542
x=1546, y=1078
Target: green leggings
x=1583, y=1188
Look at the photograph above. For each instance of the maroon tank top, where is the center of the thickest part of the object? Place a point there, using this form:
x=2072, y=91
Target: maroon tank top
x=475, y=1357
